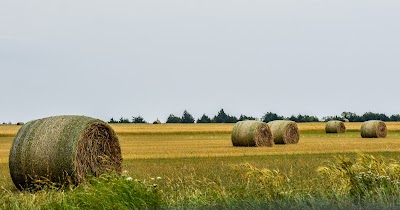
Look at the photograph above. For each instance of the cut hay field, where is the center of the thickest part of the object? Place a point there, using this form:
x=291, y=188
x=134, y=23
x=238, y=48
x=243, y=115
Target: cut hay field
x=198, y=166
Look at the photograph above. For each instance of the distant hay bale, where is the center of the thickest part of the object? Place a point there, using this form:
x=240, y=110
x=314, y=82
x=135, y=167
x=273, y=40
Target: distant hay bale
x=20, y=123
x=345, y=120
x=63, y=149
x=284, y=131
x=157, y=122
x=373, y=129
x=250, y=133
x=335, y=126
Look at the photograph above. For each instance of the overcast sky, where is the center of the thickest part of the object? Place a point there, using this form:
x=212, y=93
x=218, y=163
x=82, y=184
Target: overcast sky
x=125, y=58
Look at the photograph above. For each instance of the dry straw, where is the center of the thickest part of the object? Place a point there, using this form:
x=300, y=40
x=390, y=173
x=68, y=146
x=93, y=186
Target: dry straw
x=284, y=131
x=250, y=133
x=373, y=129
x=63, y=149
x=335, y=126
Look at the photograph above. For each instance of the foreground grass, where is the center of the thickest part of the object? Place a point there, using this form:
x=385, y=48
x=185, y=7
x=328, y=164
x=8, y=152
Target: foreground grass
x=349, y=181
x=196, y=167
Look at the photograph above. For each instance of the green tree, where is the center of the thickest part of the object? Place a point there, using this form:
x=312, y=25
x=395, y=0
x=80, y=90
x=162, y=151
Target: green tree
x=231, y=119
x=352, y=117
x=124, y=120
x=187, y=117
x=304, y=118
x=374, y=116
x=222, y=117
x=138, y=119
x=395, y=118
x=173, y=119
x=244, y=117
x=111, y=120
x=328, y=118
x=269, y=116
x=204, y=119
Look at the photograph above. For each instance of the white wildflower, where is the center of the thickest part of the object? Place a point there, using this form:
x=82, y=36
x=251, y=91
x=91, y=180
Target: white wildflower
x=129, y=178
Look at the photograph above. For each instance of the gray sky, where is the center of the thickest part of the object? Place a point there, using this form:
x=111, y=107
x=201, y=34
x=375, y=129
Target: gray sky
x=154, y=58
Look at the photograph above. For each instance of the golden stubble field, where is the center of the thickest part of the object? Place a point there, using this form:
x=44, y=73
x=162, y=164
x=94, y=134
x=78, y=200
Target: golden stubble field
x=142, y=141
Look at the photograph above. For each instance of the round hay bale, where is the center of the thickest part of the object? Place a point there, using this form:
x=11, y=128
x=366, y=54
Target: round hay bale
x=63, y=150
x=373, y=129
x=20, y=123
x=251, y=133
x=335, y=126
x=284, y=131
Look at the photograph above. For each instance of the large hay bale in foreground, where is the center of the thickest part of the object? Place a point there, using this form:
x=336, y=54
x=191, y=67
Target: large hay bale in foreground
x=250, y=133
x=373, y=129
x=63, y=149
x=335, y=126
x=284, y=131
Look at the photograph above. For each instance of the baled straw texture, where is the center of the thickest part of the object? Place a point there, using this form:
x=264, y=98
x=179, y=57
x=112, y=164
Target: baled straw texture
x=373, y=129
x=250, y=133
x=63, y=149
x=284, y=131
x=335, y=126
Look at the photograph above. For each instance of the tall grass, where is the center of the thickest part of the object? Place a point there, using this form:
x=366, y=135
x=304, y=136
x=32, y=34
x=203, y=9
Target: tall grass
x=105, y=192
x=368, y=179
x=364, y=182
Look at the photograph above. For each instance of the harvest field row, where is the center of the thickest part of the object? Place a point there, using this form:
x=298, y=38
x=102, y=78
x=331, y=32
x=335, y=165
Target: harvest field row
x=213, y=140
x=198, y=165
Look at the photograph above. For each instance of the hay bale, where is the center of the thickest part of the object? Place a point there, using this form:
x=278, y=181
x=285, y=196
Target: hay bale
x=20, y=123
x=63, y=149
x=335, y=126
x=284, y=131
x=373, y=129
x=250, y=133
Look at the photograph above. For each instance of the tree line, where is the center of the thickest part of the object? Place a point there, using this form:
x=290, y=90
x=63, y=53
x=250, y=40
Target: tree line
x=222, y=117
x=353, y=117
